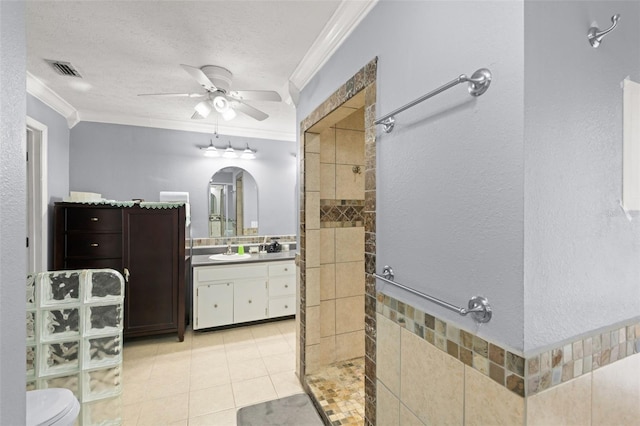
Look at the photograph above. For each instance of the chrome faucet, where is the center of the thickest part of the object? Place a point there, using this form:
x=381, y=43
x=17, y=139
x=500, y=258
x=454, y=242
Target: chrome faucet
x=229, y=249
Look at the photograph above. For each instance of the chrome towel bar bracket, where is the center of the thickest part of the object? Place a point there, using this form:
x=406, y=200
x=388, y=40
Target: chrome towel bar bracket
x=478, y=306
x=595, y=36
x=478, y=84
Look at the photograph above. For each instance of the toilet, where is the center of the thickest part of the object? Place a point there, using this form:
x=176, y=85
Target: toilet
x=52, y=407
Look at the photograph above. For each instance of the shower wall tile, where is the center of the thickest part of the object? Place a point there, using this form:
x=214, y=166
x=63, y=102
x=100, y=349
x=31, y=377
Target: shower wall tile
x=313, y=287
x=350, y=147
x=328, y=281
x=350, y=345
x=432, y=382
x=388, y=353
x=349, y=314
x=327, y=181
x=313, y=325
x=328, y=146
x=312, y=248
x=327, y=245
x=354, y=121
x=312, y=143
x=312, y=210
x=349, y=185
x=328, y=318
x=388, y=406
x=566, y=404
x=312, y=358
x=480, y=397
x=328, y=350
x=312, y=172
x=349, y=244
x=349, y=279
x=616, y=393
x=407, y=418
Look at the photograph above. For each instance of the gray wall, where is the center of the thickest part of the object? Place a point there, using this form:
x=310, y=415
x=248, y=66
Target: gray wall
x=582, y=253
x=57, y=153
x=13, y=260
x=450, y=176
x=125, y=162
x=514, y=195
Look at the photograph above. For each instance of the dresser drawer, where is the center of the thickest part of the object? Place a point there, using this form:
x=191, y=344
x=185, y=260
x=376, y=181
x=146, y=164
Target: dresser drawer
x=76, y=263
x=94, y=245
x=282, y=307
x=284, y=268
x=282, y=286
x=94, y=220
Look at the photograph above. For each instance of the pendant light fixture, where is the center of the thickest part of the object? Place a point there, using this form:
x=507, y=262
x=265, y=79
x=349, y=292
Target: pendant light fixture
x=248, y=153
x=211, y=151
x=229, y=152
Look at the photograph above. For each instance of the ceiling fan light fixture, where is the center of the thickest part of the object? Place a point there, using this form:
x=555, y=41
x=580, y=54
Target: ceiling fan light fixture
x=229, y=114
x=203, y=108
x=248, y=153
x=221, y=104
x=229, y=152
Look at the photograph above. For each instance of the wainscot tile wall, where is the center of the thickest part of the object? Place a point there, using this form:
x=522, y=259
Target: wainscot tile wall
x=468, y=380
x=243, y=239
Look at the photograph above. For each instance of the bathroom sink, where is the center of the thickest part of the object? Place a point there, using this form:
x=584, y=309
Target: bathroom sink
x=232, y=256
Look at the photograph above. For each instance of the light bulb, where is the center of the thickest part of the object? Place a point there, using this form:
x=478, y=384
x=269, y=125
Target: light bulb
x=230, y=152
x=230, y=114
x=221, y=104
x=203, y=108
x=248, y=154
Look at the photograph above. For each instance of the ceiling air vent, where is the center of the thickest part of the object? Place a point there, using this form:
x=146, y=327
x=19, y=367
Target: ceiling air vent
x=64, y=68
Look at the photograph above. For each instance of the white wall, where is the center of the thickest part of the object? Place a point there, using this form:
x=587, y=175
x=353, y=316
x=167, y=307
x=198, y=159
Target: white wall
x=450, y=176
x=13, y=261
x=125, y=162
x=582, y=253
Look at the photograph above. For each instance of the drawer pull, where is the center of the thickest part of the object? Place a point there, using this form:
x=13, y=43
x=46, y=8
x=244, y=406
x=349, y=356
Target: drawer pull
x=286, y=306
x=215, y=306
x=286, y=269
x=94, y=244
x=249, y=300
x=94, y=219
x=286, y=286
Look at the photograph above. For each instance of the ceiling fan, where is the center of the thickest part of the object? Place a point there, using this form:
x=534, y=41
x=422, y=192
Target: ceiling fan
x=219, y=96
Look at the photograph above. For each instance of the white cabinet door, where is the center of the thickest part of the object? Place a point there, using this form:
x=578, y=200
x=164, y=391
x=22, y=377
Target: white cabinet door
x=249, y=300
x=214, y=305
x=282, y=306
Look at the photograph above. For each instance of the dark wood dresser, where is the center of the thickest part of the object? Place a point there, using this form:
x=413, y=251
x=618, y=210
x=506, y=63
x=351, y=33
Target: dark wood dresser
x=146, y=244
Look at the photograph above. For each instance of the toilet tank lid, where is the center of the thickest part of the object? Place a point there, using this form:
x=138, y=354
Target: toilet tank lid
x=46, y=406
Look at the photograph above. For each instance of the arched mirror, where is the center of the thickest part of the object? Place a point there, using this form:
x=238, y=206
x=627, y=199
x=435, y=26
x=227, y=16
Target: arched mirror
x=233, y=203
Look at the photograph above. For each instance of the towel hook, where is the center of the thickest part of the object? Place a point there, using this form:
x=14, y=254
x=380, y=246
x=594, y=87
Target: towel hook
x=595, y=36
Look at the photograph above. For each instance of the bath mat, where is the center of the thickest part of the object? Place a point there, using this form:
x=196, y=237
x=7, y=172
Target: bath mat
x=295, y=410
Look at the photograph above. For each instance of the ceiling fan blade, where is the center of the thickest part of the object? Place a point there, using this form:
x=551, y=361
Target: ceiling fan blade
x=176, y=95
x=250, y=111
x=196, y=116
x=200, y=77
x=257, y=95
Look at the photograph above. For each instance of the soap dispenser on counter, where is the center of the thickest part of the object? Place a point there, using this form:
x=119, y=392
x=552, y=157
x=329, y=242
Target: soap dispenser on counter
x=275, y=246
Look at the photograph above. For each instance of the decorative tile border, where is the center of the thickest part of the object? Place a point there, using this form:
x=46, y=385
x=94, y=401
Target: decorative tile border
x=243, y=239
x=539, y=372
x=341, y=213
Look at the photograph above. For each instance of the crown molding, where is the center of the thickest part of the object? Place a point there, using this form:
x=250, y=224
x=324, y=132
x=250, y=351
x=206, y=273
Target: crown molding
x=344, y=20
x=101, y=117
x=39, y=90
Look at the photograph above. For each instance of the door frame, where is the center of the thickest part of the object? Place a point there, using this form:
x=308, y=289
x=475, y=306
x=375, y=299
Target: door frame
x=38, y=259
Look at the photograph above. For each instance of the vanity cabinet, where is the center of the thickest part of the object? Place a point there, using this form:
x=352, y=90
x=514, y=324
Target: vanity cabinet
x=232, y=294
x=146, y=245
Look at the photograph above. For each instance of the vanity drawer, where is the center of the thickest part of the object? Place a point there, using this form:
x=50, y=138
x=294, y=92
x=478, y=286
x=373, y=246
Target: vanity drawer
x=94, y=245
x=282, y=286
x=282, y=307
x=231, y=273
x=115, y=263
x=94, y=220
x=284, y=268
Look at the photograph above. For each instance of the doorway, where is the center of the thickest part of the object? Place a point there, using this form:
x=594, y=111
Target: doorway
x=37, y=197
x=337, y=257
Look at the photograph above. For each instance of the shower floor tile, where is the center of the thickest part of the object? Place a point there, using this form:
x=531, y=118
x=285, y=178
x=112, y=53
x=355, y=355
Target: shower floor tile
x=339, y=388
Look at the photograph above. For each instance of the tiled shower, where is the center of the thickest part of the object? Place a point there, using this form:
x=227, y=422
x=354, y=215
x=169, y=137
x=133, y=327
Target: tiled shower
x=336, y=316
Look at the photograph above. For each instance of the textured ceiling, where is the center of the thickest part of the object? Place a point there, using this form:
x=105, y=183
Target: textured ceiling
x=124, y=48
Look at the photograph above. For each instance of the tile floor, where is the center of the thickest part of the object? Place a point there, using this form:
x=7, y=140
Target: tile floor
x=206, y=378
x=339, y=388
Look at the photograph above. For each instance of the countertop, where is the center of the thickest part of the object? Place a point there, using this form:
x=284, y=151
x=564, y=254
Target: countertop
x=203, y=259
